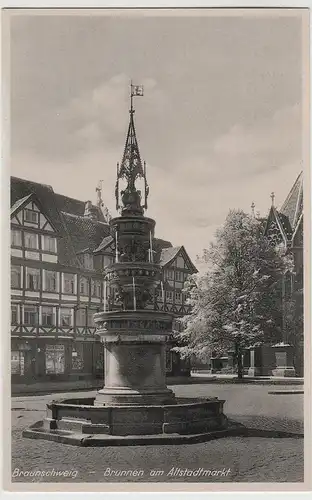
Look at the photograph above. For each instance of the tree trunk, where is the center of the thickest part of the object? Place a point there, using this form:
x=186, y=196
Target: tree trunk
x=238, y=353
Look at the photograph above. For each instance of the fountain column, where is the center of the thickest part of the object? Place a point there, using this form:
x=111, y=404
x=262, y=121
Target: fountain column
x=133, y=335
x=132, y=332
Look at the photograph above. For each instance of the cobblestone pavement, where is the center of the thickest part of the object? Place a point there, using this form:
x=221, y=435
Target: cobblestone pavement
x=261, y=458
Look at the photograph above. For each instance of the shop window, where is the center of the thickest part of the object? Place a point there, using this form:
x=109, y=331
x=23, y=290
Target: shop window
x=68, y=283
x=31, y=241
x=30, y=315
x=17, y=363
x=32, y=278
x=66, y=318
x=55, y=359
x=16, y=238
x=50, y=281
x=48, y=316
x=77, y=357
x=16, y=276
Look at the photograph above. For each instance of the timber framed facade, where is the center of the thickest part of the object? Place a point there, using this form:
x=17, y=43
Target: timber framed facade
x=59, y=247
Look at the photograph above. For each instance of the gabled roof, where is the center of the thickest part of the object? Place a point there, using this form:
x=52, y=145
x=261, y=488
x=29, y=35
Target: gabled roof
x=288, y=216
x=293, y=205
x=86, y=234
x=21, y=188
x=298, y=234
x=275, y=217
x=168, y=255
x=107, y=241
x=19, y=203
x=73, y=206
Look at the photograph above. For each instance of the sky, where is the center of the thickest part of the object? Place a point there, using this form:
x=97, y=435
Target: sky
x=220, y=123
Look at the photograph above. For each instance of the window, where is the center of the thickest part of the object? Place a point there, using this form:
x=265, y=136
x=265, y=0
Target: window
x=169, y=274
x=31, y=216
x=30, y=315
x=84, y=286
x=179, y=276
x=81, y=317
x=16, y=276
x=55, y=358
x=49, y=243
x=16, y=238
x=14, y=314
x=47, y=315
x=68, y=283
x=178, y=296
x=31, y=240
x=32, y=278
x=17, y=363
x=96, y=288
x=65, y=317
x=50, y=281
x=77, y=357
x=91, y=313
x=88, y=261
x=169, y=296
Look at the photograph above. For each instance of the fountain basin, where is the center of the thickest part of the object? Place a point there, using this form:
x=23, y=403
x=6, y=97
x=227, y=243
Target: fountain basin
x=78, y=419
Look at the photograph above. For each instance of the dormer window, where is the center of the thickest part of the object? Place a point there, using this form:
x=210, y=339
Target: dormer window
x=31, y=216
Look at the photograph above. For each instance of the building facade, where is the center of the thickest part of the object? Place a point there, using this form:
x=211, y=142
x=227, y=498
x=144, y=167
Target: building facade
x=59, y=247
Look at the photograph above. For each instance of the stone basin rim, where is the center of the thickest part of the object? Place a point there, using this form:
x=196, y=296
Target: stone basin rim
x=192, y=403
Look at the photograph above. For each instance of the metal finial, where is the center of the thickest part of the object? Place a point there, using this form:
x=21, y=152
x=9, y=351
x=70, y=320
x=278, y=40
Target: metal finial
x=253, y=209
x=272, y=198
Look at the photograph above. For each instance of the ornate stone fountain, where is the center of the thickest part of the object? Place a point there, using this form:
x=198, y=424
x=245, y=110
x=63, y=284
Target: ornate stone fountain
x=135, y=403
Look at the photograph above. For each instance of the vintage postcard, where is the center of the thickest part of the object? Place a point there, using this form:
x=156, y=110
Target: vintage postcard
x=156, y=173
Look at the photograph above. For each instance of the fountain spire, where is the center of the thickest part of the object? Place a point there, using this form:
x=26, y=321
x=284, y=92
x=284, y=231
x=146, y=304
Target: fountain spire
x=131, y=167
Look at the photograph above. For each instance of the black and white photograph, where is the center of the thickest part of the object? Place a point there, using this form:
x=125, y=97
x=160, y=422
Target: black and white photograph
x=156, y=171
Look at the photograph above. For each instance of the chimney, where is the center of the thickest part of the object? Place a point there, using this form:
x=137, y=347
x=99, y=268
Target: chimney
x=90, y=211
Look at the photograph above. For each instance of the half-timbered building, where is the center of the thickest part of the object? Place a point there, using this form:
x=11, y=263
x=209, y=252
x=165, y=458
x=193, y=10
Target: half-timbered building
x=59, y=247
